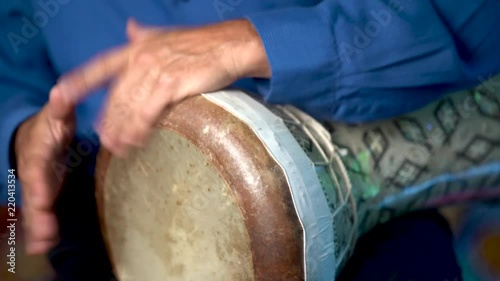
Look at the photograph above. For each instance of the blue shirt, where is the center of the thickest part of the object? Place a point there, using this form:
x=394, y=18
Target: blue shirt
x=347, y=60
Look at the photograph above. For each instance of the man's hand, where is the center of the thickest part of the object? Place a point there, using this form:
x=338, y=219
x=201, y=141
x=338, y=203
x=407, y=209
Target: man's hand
x=161, y=67
x=40, y=145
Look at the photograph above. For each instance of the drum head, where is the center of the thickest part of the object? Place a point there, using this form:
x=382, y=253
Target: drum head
x=202, y=201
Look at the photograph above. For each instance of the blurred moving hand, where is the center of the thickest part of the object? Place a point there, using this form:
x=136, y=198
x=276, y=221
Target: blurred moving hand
x=40, y=149
x=157, y=68
x=160, y=67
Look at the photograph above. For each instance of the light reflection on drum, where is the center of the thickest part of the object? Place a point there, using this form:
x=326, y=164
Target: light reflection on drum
x=230, y=188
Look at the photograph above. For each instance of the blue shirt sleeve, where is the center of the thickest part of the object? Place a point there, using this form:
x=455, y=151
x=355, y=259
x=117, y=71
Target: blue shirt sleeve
x=25, y=78
x=358, y=60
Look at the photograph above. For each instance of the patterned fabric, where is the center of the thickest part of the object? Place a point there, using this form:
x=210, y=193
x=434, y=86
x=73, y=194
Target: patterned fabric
x=446, y=152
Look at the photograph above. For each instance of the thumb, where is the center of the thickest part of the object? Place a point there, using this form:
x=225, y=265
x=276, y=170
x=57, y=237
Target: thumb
x=61, y=119
x=59, y=107
x=138, y=32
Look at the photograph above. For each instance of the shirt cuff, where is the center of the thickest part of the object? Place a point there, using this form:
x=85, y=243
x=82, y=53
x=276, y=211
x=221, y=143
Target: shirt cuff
x=302, y=54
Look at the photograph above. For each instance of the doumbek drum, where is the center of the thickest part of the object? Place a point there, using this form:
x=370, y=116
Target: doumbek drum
x=230, y=188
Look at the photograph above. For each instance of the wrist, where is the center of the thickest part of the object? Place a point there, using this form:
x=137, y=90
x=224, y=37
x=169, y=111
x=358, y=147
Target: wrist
x=247, y=54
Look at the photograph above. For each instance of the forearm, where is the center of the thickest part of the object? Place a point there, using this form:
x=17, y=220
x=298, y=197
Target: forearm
x=248, y=52
x=239, y=46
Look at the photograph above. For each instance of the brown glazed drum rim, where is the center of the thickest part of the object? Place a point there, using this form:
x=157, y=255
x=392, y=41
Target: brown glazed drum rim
x=276, y=237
